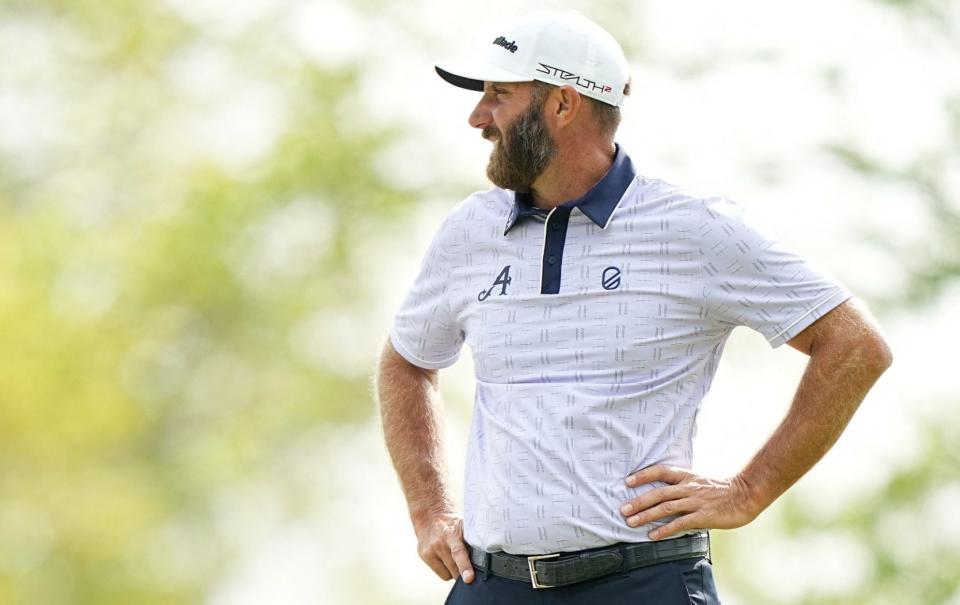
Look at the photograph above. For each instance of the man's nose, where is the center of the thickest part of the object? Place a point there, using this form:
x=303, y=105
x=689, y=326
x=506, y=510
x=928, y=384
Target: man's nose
x=480, y=116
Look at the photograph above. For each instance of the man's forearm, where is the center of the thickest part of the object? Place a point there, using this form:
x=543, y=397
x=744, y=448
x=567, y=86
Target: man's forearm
x=836, y=380
x=412, y=414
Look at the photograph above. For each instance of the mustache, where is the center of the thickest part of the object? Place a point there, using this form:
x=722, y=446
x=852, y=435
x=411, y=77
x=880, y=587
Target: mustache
x=489, y=131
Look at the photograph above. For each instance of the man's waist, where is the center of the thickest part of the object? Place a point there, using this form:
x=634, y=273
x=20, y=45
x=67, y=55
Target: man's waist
x=563, y=568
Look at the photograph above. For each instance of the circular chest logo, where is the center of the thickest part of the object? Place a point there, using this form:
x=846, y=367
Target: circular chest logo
x=611, y=278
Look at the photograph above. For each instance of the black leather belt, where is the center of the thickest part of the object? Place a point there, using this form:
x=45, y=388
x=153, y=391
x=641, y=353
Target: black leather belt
x=560, y=569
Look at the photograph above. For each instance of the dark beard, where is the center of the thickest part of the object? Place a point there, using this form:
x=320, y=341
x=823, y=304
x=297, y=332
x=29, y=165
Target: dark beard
x=524, y=153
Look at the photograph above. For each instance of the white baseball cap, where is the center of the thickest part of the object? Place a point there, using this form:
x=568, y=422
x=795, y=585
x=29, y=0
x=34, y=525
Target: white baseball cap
x=556, y=47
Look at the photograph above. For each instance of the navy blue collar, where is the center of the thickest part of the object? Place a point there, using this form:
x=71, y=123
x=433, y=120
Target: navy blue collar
x=598, y=203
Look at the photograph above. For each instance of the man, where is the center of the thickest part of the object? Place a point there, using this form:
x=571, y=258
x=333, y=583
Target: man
x=596, y=302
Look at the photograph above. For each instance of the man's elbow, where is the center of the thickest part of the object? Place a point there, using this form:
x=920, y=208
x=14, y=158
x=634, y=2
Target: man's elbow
x=879, y=355
x=851, y=331
x=867, y=351
x=871, y=352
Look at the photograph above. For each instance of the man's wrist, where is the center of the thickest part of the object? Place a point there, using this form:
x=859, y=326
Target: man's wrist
x=755, y=497
x=423, y=514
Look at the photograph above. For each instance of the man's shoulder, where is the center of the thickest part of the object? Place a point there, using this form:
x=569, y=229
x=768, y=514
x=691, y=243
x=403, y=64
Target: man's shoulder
x=659, y=197
x=480, y=207
x=493, y=200
x=479, y=212
x=689, y=209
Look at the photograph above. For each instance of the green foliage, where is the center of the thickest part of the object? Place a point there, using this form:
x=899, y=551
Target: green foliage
x=932, y=264
x=905, y=526
x=150, y=357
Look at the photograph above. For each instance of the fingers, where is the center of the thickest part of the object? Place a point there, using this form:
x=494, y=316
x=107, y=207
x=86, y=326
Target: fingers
x=461, y=558
x=442, y=563
x=657, y=472
x=703, y=502
x=459, y=554
x=437, y=565
x=456, y=561
x=445, y=552
x=449, y=565
x=653, y=497
x=691, y=521
x=433, y=557
x=665, y=509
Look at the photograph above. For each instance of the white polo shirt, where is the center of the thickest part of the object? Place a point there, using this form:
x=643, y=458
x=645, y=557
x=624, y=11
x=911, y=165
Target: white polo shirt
x=595, y=335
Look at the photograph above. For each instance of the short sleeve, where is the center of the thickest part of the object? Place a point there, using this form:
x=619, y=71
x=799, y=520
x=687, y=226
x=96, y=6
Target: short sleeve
x=425, y=330
x=753, y=279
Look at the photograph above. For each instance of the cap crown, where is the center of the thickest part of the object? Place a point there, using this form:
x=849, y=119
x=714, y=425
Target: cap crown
x=557, y=47
x=563, y=48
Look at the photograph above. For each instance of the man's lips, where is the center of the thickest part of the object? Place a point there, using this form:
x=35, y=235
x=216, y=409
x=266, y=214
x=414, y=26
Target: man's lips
x=490, y=135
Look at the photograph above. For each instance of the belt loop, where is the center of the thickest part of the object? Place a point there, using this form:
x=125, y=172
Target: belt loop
x=486, y=566
x=624, y=565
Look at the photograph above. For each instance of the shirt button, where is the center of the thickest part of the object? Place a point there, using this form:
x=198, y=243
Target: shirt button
x=552, y=260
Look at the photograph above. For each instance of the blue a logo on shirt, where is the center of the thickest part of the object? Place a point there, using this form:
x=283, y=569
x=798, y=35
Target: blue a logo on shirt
x=503, y=280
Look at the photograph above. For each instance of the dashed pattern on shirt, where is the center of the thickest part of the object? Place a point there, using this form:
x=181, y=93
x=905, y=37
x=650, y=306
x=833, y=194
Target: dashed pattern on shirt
x=577, y=389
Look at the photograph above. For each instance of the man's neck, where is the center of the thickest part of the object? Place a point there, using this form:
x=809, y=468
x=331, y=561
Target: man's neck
x=571, y=174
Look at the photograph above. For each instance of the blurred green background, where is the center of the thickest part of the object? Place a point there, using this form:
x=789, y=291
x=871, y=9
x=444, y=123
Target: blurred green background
x=209, y=212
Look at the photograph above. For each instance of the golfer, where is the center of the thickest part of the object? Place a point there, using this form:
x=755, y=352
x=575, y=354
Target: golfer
x=596, y=302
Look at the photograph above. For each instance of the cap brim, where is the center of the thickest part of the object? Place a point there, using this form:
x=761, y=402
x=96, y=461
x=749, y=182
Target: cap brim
x=472, y=75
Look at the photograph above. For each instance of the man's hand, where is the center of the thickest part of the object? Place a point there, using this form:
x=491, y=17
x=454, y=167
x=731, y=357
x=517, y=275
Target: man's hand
x=440, y=544
x=703, y=503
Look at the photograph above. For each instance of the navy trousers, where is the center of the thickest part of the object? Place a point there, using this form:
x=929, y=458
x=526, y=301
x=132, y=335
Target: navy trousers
x=684, y=582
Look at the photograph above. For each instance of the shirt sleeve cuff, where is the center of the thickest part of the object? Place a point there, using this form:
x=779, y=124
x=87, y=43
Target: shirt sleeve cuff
x=801, y=323
x=405, y=352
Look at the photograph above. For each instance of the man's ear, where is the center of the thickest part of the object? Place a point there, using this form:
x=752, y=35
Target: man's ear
x=568, y=103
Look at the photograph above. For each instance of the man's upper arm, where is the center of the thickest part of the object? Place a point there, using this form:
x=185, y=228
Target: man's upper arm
x=426, y=329
x=390, y=357
x=850, y=324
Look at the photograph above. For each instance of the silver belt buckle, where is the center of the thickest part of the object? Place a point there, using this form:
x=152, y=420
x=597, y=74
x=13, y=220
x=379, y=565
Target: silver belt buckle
x=531, y=563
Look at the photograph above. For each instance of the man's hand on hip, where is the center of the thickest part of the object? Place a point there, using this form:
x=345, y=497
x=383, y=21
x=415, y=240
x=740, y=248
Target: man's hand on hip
x=702, y=503
x=440, y=544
